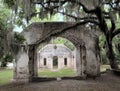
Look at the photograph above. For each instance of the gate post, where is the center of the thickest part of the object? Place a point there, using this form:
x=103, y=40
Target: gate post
x=21, y=69
x=33, y=67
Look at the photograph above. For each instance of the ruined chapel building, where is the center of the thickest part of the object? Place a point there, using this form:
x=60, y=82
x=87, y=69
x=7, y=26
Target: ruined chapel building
x=86, y=43
x=56, y=56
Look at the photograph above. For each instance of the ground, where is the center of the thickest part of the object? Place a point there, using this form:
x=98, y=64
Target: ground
x=57, y=73
x=6, y=75
x=106, y=82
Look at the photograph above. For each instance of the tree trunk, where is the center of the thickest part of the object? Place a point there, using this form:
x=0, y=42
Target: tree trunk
x=110, y=53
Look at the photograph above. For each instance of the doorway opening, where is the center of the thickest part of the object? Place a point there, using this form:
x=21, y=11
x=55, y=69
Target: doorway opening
x=65, y=61
x=55, y=62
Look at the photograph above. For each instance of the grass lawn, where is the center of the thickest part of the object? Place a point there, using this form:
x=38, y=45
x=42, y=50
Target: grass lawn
x=104, y=67
x=62, y=72
x=5, y=76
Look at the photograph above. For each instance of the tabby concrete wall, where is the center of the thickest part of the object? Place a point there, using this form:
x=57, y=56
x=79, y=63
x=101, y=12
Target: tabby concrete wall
x=55, y=50
x=86, y=42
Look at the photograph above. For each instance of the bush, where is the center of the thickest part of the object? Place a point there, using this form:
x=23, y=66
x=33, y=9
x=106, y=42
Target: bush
x=5, y=59
x=18, y=38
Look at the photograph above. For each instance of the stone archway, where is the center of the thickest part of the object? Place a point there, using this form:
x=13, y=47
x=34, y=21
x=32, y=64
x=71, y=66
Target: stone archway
x=85, y=41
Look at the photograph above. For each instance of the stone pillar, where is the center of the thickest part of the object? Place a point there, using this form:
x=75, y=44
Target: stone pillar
x=35, y=62
x=70, y=62
x=93, y=67
x=38, y=58
x=51, y=63
x=60, y=62
x=78, y=61
x=32, y=63
x=75, y=59
x=21, y=71
x=81, y=60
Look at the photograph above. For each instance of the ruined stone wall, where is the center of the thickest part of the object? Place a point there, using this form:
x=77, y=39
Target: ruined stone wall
x=85, y=40
x=21, y=71
x=38, y=32
x=58, y=50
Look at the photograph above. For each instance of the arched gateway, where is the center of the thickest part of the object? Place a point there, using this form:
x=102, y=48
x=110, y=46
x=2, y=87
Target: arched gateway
x=85, y=41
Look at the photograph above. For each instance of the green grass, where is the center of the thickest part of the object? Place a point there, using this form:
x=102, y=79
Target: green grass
x=5, y=76
x=60, y=73
x=104, y=67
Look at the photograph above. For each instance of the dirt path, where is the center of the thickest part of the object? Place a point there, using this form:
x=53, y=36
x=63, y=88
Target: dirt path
x=107, y=82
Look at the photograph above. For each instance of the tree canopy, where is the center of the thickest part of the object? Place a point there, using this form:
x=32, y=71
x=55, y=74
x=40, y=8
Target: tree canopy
x=103, y=14
x=5, y=27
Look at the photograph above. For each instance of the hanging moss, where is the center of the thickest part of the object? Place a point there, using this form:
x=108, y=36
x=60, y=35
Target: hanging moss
x=9, y=3
x=18, y=38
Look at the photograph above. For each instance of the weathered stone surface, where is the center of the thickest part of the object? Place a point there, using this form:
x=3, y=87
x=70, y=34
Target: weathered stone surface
x=60, y=51
x=21, y=65
x=85, y=41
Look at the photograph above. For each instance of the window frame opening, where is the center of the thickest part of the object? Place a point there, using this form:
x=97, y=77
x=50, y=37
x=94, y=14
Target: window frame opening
x=55, y=62
x=44, y=61
x=65, y=62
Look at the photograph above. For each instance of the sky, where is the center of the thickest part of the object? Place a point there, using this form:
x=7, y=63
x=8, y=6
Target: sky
x=18, y=29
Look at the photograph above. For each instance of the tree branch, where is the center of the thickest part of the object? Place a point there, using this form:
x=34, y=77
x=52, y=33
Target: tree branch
x=116, y=32
x=112, y=23
x=64, y=1
x=69, y=15
x=112, y=4
x=76, y=17
x=51, y=1
x=84, y=8
x=102, y=25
